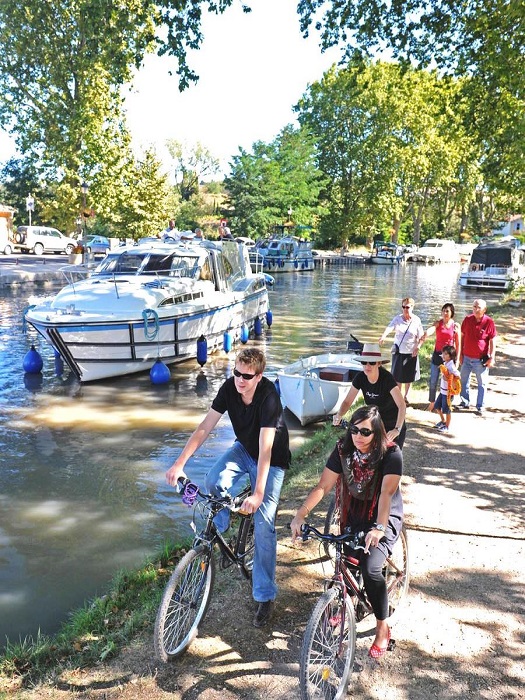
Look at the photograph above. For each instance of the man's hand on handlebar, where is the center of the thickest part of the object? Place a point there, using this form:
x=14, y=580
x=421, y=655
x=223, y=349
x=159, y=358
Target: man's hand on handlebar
x=173, y=473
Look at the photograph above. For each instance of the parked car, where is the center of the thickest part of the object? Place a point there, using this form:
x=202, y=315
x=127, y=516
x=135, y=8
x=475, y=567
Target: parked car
x=42, y=239
x=96, y=245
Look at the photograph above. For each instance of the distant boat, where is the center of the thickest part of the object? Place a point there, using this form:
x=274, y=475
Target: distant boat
x=387, y=254
x=153, y=301
x=314, y=387
x=282, y=254
x=435, y=250
x=497, y=264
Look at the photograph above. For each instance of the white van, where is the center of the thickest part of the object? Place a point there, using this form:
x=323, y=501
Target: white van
x=42, y=239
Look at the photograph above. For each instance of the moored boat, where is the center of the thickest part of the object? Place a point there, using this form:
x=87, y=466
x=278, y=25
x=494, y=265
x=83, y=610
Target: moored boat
x=152, y=301
x=387, y=254
x=497, y=264
x=283, y=254
x=435, y=250
x=314, y=387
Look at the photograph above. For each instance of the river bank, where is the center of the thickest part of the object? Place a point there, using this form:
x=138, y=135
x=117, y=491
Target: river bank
x=460, y=633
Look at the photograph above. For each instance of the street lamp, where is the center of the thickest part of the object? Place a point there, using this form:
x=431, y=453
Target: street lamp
x=289, y=214
x=84, y=187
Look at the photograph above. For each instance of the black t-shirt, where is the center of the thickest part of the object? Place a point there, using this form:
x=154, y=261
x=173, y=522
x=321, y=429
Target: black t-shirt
x=265, y=411
x=392, y=464
x=379, y=395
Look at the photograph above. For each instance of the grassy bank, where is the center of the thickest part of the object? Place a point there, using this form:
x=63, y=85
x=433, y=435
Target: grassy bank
x=102, y=627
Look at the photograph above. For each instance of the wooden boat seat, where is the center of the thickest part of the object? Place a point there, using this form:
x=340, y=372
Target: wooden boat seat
x=335, y=374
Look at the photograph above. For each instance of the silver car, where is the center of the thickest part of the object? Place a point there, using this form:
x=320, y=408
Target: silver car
x=43, y=239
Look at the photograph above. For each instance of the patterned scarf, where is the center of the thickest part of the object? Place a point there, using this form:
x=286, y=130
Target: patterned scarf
x=358, y=488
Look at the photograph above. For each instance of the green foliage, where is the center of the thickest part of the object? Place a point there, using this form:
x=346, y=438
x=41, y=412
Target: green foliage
x=274, y=178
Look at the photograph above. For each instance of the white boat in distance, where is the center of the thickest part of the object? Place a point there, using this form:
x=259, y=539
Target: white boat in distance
x=154, y=300
x=497, y=264
x=314, y=387
x=387, y=254
x=435, y=250
x=283, y=254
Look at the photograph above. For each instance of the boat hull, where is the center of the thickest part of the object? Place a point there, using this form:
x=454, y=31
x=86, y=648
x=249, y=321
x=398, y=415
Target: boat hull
x=308, y=393
x=98, y=349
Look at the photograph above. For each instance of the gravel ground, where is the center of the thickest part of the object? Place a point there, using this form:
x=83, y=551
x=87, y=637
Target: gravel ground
x=460, y=632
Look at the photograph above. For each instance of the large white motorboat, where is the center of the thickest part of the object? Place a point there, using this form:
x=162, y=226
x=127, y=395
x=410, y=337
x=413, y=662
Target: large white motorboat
x=497, y=264
x=282, y=254
x=152, y=301
x=387, y=254
x=314, y=387
x=435, y=250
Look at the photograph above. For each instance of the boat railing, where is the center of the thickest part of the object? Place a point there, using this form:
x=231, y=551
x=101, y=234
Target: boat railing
x=75, y=273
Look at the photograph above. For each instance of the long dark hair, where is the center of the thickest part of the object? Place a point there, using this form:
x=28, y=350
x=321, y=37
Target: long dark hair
x=379, y=444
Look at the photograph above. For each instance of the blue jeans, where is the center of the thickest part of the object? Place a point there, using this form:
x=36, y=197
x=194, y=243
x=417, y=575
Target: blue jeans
x=227, y=474
x=434, y=379
x=473, y=365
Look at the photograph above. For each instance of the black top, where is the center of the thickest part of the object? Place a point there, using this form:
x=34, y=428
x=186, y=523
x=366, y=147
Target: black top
x=392, y=464
x=379, y=395
x=265, y=411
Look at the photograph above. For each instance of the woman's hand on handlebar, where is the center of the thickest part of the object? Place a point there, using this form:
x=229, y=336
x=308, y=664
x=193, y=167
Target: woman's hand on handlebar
x=295, y=527
x=336, y=419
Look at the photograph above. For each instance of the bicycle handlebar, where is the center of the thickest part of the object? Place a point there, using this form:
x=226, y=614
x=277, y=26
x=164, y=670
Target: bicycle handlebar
x=190, y=492
x=352, y=539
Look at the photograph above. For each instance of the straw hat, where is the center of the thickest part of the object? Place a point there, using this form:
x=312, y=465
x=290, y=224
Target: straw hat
x=372, y=353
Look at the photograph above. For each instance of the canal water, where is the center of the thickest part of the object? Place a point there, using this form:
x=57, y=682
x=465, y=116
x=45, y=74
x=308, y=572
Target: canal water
x=82, y=490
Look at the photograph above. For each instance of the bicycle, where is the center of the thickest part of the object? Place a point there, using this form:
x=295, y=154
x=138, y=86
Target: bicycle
x=329, y=642
x=188, y=592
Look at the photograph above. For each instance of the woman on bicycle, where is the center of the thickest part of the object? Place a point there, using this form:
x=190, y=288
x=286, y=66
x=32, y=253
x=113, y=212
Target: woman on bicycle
x=379, y=388
x=367, y=468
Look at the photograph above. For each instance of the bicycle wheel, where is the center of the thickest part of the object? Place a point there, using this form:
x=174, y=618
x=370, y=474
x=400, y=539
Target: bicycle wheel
x=328, y=649
x=331, y=526
x=184, y=603
x=246, y=545
x=397, y=572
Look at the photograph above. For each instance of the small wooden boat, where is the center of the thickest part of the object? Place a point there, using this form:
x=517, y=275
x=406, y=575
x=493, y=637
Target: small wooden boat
x=387, y=254
x=314, y=387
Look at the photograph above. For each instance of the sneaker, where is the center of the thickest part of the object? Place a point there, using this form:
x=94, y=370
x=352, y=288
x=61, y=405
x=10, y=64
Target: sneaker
x=462, y=406
x=480, y=411
x=263, y=613
x=439, y=425
x=443, y=429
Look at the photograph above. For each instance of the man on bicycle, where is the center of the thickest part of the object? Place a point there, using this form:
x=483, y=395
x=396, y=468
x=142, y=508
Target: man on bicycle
x=261, y=451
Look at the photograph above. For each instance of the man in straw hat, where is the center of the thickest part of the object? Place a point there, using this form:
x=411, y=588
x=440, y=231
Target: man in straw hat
x=380, y=389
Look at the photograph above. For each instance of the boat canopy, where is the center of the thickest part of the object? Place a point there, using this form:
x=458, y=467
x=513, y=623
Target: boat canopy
x=498, y=253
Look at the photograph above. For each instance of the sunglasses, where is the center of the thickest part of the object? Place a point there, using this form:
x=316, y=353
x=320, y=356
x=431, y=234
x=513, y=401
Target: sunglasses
x=406, y=307
x=244, y=375
x=365, y=432
x=372, y=364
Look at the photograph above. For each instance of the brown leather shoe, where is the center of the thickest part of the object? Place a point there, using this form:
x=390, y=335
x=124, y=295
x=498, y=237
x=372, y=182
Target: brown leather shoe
x=263, y=613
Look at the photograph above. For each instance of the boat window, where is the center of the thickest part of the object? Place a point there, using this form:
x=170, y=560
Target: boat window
x=206, y=271
x=158, y=263
x=129, y=262
x=181, y=298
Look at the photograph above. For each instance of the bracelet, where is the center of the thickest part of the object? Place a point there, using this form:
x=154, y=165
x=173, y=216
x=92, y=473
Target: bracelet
x=306, y=508
x=398, y=429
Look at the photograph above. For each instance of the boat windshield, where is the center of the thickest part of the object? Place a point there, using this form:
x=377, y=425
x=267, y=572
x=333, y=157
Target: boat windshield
x=147, y=263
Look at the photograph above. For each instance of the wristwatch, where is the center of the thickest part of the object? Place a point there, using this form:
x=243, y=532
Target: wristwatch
x=379, y=527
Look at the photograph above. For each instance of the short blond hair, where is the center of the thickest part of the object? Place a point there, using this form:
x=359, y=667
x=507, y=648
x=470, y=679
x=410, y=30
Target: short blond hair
x=252, y=357
x=408, y=300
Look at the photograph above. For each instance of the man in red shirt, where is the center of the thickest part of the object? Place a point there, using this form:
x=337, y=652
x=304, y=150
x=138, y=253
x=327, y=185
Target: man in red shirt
x=478, y=352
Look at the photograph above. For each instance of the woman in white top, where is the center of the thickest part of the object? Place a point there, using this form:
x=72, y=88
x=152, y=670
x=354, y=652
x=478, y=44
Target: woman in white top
x=405, y=353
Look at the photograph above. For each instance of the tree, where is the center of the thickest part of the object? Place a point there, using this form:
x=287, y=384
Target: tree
x=483, y=40
x=191, y=165
x=273, y=179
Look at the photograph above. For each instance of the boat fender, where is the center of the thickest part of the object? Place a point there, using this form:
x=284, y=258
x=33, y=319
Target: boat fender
x=33, y=362
x=257, y=326
x=277, y=386
x=202, y=351
x=269, y=318
x=227, y=341
x=150, y=316
x=59, y=364
x=159, y=373
x=245, y=333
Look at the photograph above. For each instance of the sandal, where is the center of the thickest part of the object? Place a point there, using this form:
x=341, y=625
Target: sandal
x=407, y=402
x=376, y=652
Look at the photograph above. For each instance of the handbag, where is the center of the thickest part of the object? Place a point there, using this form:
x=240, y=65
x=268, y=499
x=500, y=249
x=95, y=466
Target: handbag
x=395, y=349
x=437, y=358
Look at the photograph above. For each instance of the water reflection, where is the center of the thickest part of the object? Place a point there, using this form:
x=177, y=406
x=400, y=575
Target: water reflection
x=82, y=489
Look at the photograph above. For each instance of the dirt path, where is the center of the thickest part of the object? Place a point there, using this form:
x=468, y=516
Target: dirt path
x=460, y=634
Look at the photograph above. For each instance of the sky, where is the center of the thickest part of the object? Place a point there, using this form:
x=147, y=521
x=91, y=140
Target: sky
x=253, y=68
